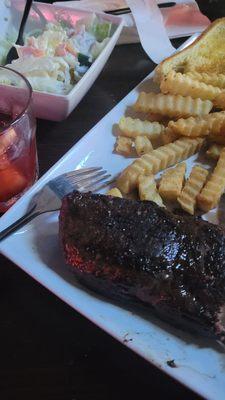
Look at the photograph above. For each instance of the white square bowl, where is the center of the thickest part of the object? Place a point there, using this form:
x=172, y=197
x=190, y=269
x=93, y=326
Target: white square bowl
x=57, y=107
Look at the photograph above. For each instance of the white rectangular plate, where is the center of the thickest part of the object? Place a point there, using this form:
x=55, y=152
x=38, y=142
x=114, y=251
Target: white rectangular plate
x=35, y=248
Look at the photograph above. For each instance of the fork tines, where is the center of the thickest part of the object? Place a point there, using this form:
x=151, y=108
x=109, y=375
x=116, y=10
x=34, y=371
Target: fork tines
x=87, y=179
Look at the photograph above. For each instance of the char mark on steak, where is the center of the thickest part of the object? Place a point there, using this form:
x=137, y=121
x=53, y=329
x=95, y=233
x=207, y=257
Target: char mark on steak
x=141, y=253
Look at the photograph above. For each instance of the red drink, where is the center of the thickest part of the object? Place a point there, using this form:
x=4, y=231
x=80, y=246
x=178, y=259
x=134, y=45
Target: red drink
x=18, y=162
x=18, y=156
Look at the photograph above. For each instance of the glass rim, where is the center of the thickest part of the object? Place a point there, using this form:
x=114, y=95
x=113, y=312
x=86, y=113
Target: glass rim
x=29, y=87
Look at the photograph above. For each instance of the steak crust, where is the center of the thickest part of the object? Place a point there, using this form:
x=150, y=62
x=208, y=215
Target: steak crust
x=137, y=252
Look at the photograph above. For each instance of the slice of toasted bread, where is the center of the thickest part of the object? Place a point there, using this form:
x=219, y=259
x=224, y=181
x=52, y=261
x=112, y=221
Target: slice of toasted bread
x=205, y=54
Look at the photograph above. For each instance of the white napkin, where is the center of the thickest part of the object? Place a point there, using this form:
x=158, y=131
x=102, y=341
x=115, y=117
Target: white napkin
x=151, y=29
x=149, y=24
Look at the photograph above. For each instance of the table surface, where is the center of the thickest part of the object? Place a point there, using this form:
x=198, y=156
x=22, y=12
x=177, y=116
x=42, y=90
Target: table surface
x=48, y=350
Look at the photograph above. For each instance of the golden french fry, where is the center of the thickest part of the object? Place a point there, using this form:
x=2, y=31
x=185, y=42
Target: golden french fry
x=213, y=124
x=159, y=159
x=168, y=136
x=147, y=189
x=124, y=145
x=135, y=127
x=172, y=105
x=214, y=188
x=171, y=182
x=192, y=188
x=214, y=151
x=219, y=101
x=142, y=145
x=177, y=83
x=114, y=192
x=213, y=79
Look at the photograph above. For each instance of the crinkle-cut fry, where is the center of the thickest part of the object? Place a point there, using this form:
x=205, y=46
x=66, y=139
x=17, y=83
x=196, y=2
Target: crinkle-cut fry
x=157, y=160
x=214, y=188
x=178, y=83
x=190, y=127
x=124, y=145
x=171, y=182
x=147, y=189
x=212, y=78
x=172, y=105
x=213, y=124
x=214, y=151
x=219, y=101
x=142, y=145
x=114, y=192
x=188, y=197
x=135, y=127
x=168, y=136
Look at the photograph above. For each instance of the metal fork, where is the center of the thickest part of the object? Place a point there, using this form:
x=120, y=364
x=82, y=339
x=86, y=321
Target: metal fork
x=49, y=198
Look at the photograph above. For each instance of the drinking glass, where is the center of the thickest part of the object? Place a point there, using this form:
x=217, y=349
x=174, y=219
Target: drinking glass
x=18, y=154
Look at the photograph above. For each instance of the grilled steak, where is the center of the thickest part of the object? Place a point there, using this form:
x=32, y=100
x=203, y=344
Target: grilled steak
x=141, y=253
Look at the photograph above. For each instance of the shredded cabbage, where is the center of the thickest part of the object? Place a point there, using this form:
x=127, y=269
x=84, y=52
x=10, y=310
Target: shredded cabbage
x=47, y=84
x=49, y=58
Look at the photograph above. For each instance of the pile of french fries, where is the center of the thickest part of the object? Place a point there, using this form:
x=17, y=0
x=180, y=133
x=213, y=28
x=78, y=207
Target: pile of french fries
x=188, y=114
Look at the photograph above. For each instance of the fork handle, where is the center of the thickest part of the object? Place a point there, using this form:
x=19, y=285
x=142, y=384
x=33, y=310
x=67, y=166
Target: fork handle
x=19, y=223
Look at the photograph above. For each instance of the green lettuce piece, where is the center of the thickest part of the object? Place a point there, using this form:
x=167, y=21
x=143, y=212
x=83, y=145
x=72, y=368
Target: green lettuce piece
x=101, y=30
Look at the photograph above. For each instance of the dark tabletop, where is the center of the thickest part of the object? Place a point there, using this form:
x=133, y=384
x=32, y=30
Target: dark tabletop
x=48, y=350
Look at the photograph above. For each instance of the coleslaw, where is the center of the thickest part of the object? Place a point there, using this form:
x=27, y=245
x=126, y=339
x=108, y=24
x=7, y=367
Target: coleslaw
x=54, y=59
